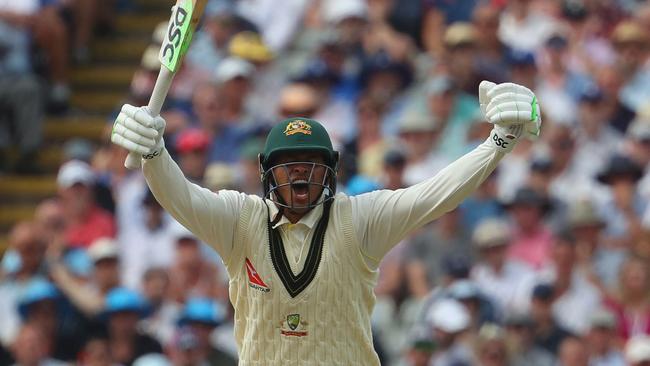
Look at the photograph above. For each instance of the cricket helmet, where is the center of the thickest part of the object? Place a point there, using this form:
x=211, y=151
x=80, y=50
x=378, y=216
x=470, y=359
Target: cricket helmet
x=298, y=135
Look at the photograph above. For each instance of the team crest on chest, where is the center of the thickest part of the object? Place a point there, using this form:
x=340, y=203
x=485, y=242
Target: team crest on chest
x=297, y=126
x=254, y=279
x=293, y=326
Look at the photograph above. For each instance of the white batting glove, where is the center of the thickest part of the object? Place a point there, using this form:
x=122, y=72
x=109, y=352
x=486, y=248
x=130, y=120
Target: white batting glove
x=136, y=130
x=514, y=111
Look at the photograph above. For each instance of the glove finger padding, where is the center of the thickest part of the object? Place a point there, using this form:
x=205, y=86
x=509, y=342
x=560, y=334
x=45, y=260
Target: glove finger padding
x=137, y=131
x=509, y=88
x=508, y=113
x=483, y=89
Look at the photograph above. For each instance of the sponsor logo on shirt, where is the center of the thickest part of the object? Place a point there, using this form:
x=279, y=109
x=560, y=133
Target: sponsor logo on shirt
x=293, y=326
x=254, y=279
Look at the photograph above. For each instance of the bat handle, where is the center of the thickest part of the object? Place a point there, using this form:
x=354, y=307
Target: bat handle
x=160, y=90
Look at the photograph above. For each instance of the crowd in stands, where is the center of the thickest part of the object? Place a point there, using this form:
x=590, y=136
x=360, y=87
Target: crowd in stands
x=547, y=263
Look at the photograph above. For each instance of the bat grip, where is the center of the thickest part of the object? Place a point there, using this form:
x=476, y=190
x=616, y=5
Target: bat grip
x=160, y=90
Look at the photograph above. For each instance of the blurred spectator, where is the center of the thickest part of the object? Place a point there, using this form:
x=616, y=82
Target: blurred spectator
x=548, y=333
x=520, y=336
x=419, y=349
x=208, y=109
x=491, y=346
x=430, y=248
x=152, y=359
x=220, y=176
x=394, y=164
x=505, y=281
x=631, y=302
x=191, y=149
x=631, y=42
x=437, y=15
x=454, y=109
x=523, y=27
x=85, y=221
x=122, y=311
x=479, y=307
x=30, y=348
x=448, y=320
x=191, y=274
x=637, y=147
x=88, y=296
x=155, y=289
x=532, y=240
x=623, y=205
x=201, y=316
x=460, y=42
x=491, y=54
x=600, y=262
x=96, y=352
x=25, y=241
x=601, y=340
x=523, y=68
x=482, y=204
x=574, y=295
x=234, y=79
x=148, y=245
x=573, y=352
x=185, y=349
x=419, y=134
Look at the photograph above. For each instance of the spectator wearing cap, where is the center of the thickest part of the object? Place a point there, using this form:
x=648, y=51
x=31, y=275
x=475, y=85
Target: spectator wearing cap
x=85, y=220
x=631, y=42
x=574, y=294
x=202, y=316
x=637, y=351
x=191, y=152
x=234, y=78
x=45, y=307
x=601, y=340
x=532, y=239
x=460, y=41
x=89, y=297
x=479, y=307
x=523, y=67
x=151, y=244
x=420, y=347
x=419, y=134
x=123, y=309
x=449, y=320
x=491, y=347
x=548, y=333
x=631, y=302
x=454, y=110
x=438, y=14
x=596, y=140
x=505, y=281
x=623, y=205
x=600, y=262
x=23, y=262
x=394, y=164
x=521, y=339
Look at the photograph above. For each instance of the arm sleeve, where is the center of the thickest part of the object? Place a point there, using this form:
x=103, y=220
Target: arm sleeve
x=211, y=216
x=383, y=218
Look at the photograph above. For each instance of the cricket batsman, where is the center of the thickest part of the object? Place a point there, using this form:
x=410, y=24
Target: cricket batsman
x=303, y=259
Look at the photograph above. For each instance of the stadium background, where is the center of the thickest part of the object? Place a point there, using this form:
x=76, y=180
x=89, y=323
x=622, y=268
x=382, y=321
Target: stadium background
x=547, y=263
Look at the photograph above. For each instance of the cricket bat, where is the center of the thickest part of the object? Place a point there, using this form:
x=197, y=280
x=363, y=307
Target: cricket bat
x=186, y=15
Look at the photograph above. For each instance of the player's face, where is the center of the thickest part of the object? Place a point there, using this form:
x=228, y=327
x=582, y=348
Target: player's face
x=300, y=179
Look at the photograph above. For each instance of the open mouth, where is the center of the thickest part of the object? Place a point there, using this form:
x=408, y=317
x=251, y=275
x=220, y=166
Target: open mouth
x=300, y=189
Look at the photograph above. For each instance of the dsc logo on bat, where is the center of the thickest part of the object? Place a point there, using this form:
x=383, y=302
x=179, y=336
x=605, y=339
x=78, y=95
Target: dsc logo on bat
x=174, y=34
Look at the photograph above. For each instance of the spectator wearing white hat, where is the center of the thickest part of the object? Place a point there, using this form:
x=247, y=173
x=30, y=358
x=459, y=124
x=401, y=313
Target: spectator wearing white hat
x=601, y=340
x=637, y=351
x=507, y=282
x=234, y=78
x=85, y=220
x=448, y=320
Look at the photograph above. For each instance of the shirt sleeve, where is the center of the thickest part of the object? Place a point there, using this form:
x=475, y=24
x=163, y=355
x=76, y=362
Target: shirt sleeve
x=383, y=218
x=211, y=216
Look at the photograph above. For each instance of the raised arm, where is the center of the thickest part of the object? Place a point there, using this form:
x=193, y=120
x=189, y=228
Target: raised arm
x=385, y=217
x=211, y=216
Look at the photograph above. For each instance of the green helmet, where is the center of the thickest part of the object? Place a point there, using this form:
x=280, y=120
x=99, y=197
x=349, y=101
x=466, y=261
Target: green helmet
x=298, y=135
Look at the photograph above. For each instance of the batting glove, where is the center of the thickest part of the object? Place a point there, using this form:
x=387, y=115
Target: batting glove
x=136, y=130
x=514, y=111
